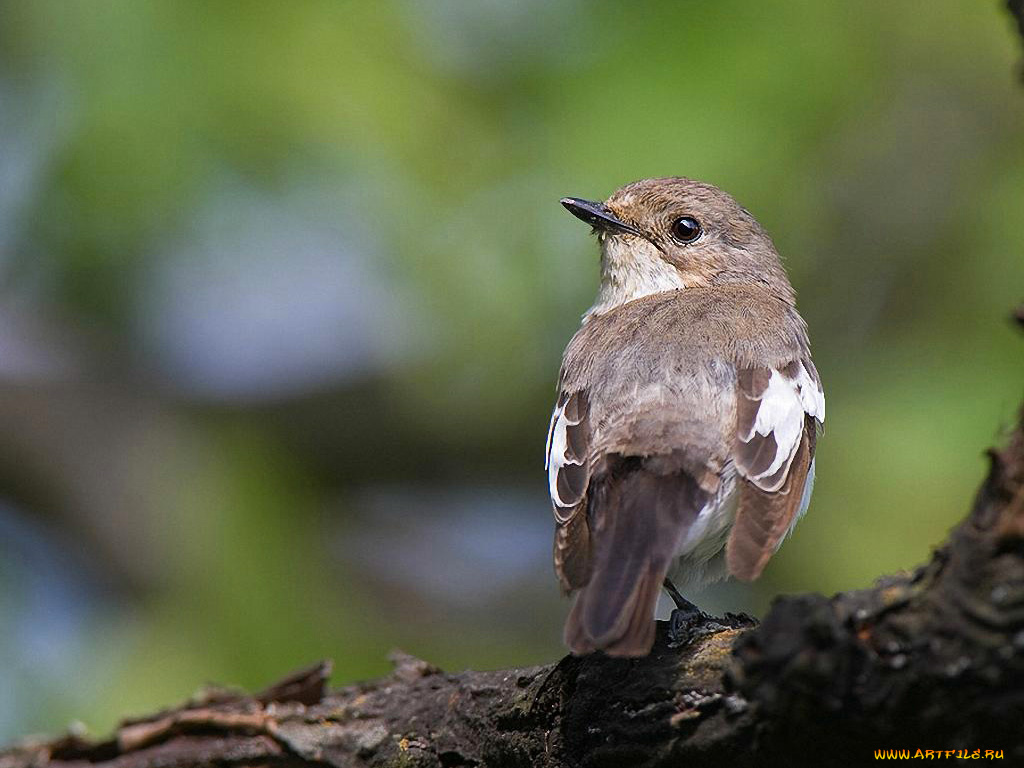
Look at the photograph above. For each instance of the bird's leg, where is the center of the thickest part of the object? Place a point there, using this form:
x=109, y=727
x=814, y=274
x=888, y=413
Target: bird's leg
x=687, y=620
x=682, y=604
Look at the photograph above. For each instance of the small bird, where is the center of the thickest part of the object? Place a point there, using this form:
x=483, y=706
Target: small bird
x=681, y=447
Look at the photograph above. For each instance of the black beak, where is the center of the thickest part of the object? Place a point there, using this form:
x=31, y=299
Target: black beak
x=597, y=216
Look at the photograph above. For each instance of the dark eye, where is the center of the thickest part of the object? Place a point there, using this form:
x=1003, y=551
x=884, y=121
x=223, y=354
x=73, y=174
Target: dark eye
x=686, y=229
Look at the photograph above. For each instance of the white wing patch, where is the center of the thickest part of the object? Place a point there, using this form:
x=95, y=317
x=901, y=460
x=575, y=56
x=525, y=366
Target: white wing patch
x=775, y=433
x=567, y=454
x=811, y=396
x=559, y=456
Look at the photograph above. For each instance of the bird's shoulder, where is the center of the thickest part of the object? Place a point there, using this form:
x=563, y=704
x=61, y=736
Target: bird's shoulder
x=738, y=325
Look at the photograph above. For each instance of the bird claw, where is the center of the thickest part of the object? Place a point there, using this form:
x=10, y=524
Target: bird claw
x=687, y=624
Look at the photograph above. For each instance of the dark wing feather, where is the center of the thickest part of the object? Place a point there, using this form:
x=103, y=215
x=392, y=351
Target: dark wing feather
x=568, y=465
x=764, y=517
x=572, y=551
x=778, y=412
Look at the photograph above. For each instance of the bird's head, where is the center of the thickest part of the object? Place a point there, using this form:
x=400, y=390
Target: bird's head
x=676, y=233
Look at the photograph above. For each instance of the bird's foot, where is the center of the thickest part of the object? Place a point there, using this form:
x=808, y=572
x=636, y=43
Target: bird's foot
x=687, y=624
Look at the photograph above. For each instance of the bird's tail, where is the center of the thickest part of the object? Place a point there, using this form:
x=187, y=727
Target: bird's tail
x=638, y=518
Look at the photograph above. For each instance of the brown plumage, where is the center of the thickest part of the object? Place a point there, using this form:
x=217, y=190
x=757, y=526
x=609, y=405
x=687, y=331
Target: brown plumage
x=639, y=507
x=764, y=517
x=683, y=437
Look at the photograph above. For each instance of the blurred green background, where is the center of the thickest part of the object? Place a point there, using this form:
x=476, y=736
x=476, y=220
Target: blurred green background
x=284, y=288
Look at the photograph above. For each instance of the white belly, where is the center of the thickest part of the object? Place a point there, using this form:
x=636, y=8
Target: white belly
x=700, y=558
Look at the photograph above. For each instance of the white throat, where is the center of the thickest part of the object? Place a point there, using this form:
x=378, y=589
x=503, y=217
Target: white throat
x=630, y=269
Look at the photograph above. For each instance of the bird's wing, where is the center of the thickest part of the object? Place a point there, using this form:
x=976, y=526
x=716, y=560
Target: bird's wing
x=778, y=412
x=568, y=465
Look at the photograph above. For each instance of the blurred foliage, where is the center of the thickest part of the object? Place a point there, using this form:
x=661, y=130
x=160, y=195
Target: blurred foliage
x=182, y=183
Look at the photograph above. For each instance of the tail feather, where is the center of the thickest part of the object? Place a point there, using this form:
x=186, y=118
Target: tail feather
x=637, y=522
